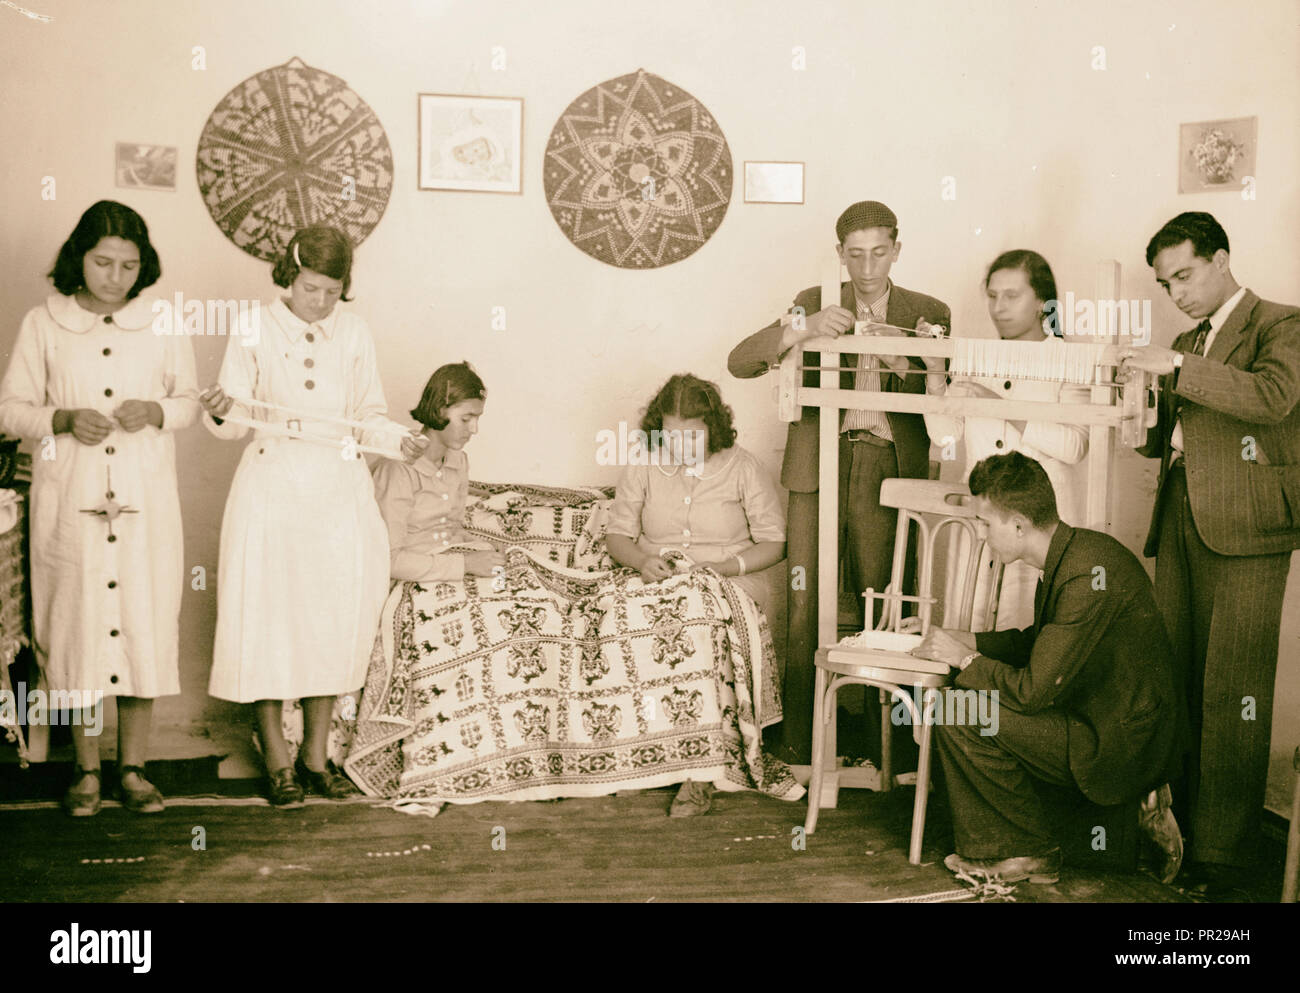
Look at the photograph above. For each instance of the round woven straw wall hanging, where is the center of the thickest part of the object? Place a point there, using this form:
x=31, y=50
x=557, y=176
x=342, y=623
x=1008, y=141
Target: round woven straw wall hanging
x=290, y=147
x=637, y=172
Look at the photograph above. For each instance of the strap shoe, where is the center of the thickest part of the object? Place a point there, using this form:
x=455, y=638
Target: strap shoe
x=142, y=799
x=86, y=801
x=329, y=782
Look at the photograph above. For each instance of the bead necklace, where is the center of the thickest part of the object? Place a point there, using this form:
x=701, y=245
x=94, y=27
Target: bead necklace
x=696, y=471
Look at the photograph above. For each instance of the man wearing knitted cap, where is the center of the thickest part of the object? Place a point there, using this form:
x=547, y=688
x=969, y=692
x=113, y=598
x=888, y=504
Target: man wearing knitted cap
x=874, y=445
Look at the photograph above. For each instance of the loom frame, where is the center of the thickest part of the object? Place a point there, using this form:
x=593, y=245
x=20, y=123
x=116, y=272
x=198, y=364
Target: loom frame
x=1129, y=409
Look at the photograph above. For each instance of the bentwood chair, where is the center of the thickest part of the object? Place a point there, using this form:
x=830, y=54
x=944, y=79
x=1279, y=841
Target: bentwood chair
x=935, y=507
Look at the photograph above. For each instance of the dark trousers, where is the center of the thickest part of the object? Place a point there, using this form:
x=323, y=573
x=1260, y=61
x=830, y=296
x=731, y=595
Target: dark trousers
x=866, y=557
x=1223, y=614
x=996, y=812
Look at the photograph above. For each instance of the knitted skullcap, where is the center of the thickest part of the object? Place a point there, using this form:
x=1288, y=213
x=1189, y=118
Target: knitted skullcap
x=865, y=214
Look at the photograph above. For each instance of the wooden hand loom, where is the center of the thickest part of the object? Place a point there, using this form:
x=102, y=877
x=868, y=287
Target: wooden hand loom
x=1128, y=407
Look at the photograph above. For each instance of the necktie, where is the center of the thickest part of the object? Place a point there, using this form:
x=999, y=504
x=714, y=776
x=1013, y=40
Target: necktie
x=1202, y=333
x=868, y=377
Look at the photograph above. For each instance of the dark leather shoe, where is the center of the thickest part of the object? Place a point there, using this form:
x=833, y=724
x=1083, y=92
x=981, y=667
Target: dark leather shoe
x=329, y=782
x=143, y=799
x=1038, y=869
x=284, y=792
x=85, y=802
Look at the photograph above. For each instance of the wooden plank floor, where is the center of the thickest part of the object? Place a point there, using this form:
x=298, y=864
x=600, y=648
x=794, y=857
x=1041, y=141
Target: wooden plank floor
x=620, y=848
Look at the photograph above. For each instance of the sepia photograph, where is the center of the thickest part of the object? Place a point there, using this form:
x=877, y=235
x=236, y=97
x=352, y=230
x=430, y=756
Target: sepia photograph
x=1217, y=155
x=470, y=143
x=149, y=167
x=630, y=539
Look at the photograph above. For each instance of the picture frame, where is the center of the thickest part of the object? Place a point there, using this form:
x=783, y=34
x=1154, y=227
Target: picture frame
x=470, y=143
x=1216, y=156
x=774, y=182
x=138, y=166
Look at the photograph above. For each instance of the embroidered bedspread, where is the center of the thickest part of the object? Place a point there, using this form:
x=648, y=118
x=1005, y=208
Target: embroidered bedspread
x=562, y=676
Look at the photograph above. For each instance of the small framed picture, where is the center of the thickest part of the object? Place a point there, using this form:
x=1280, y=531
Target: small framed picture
x=145, y=167
x=471, y=143
x=1216, y=155
x=773, y=182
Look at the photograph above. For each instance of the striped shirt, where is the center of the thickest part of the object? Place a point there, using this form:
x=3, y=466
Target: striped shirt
x=868, y=377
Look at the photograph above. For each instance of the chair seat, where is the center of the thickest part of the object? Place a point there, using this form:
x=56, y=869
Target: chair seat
x=884, y=668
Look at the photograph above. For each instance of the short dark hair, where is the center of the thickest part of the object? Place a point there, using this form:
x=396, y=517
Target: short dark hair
x=1016, y=484
x=689, y=397
x=1039, y=274
x=448, y=386
x=105, y=219
x=1201, y=229
x=322, y=249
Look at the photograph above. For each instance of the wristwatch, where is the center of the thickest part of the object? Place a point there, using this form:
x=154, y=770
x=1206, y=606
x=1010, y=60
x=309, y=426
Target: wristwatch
x=968, y=659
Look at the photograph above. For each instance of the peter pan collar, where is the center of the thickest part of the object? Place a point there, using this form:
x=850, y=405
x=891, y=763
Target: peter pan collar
x=295, y=327
x=456, y=459
x=137, y=315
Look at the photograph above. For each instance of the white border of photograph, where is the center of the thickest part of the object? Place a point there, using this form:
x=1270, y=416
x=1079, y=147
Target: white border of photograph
x=139, y=166
x=470, y=144
x=773, y=182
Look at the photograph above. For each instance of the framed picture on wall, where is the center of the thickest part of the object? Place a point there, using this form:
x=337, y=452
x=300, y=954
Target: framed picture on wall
x=773, y=182
x=1216, y=155
x=145, y=167
x=471, y=143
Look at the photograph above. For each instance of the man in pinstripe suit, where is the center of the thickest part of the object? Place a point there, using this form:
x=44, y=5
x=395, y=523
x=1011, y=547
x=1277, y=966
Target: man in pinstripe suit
x=1225, y=521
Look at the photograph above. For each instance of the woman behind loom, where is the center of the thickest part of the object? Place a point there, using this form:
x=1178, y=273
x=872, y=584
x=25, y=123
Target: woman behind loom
x=708, y=498
x=1021, y=293
x=304, y=558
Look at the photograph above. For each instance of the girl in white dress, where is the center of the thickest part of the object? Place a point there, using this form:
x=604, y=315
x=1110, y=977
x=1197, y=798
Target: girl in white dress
x=1021, y=292
x=99, y=386
x=304, y=553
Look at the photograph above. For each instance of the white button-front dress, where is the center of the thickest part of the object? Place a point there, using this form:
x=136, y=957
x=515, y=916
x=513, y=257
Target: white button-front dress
x=303, y=572
x=105, y=612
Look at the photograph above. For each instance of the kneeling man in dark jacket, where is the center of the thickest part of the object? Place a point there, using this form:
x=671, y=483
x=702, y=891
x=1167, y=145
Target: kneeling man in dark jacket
x=1085, y=697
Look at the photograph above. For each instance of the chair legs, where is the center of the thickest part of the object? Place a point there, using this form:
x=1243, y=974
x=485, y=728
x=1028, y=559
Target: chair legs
x=824, y=744
x=820, y=733
x=922, y=778
x=886, y=741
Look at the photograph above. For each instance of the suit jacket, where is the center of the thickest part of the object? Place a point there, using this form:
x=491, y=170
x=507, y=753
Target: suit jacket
x=1245, y=388
x=1098, y=653
x=761, y=351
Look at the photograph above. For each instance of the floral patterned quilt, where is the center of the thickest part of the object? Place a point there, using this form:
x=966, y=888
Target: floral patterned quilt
x=562, y=676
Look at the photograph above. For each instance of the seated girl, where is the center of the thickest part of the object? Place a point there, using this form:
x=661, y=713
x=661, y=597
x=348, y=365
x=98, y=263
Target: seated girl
x=705, y=503
x=543, y=671
x=423, y=503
